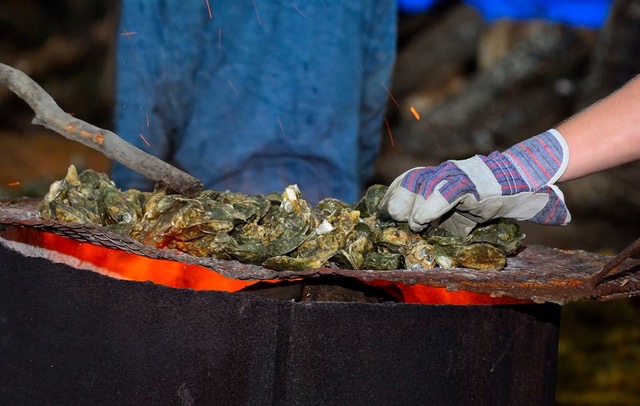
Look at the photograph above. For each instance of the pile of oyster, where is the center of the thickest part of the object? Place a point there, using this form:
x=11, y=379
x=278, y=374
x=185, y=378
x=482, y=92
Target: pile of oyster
x=276, y=231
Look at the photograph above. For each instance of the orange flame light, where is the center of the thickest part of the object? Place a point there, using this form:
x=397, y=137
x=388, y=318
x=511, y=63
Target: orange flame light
x=133, y=267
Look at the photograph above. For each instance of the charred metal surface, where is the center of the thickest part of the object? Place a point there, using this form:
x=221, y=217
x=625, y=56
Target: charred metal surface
x=537, y=273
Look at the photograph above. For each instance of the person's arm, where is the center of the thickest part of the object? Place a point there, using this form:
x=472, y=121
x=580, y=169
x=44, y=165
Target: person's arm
x=604, y=135
x=520, y=182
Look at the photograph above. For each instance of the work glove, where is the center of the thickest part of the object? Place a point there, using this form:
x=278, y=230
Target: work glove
x=517, y=183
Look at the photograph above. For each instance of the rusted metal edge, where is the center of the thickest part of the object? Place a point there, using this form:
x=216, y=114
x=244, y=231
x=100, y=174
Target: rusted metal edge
x=537, y=273
x=612, y=266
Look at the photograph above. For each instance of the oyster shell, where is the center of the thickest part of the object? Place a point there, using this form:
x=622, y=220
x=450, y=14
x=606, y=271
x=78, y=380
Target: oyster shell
x=420, y=255
x=503, y=233
x=292, y=202
x=470, y=252
x=358, y=243
x=279, y=230
x=480, y=256
x=245, y=208
x=369, y=205
x=320, y=245
x=382, y=261
x=250, y=253
x=116, y=208
x=158, y=213
x=278, y=233
x=330, y=205
x=59, y=210
x=208, y=245
x=75, y=198
x=396, y=239
x=284, y=263
x=323, y=243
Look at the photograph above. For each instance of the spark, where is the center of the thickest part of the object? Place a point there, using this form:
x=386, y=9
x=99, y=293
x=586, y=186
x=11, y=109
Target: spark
x=298, y=10
x=390, y=95
x=13, y=184
x=232, y=86
x=257, y=13
x=147, y=115
x=386, y=122
x=415, y=113
x=432, y=133
x=281, y=127
x=128, y=33
x=209, y=9
x=145, y=140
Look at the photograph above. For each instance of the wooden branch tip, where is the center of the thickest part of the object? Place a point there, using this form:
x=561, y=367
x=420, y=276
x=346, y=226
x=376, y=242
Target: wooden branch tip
x=51, y=116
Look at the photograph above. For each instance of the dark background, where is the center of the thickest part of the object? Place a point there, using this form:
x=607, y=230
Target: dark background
x=478, y=87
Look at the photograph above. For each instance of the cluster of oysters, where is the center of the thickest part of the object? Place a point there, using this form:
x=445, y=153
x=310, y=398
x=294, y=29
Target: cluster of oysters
x=276, y=231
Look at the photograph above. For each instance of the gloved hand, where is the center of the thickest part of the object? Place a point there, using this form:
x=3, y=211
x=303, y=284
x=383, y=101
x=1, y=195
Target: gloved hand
x=517, y=183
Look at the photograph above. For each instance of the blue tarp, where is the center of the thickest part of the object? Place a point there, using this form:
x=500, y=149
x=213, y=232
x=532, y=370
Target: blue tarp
x=586, y=13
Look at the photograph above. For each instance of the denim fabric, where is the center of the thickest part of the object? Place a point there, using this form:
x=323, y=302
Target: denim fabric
x=257, y=94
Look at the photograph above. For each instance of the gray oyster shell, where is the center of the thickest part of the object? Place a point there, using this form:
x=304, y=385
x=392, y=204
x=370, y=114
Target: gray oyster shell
x=280, y=231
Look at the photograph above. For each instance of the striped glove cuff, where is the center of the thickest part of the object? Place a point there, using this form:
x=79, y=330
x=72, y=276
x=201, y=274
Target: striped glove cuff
x=540, y=160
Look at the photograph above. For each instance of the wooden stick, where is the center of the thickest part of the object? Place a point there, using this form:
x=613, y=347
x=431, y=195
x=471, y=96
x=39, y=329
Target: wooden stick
x=51, y=116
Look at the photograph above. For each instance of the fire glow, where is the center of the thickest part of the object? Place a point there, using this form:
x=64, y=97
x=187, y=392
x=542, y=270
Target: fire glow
x=124, y=265
x=132, y=267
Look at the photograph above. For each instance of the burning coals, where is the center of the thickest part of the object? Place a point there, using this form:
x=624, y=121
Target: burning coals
x=277, y=231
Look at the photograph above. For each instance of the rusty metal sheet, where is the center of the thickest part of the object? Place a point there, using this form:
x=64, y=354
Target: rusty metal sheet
x=537, y=273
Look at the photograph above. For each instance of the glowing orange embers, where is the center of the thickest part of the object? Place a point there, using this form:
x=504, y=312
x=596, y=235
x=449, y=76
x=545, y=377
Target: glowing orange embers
x=431, y=295
x=128, y=266
x=124, y=265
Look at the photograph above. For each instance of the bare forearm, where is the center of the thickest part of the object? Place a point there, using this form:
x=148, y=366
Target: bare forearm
x=605, y=135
